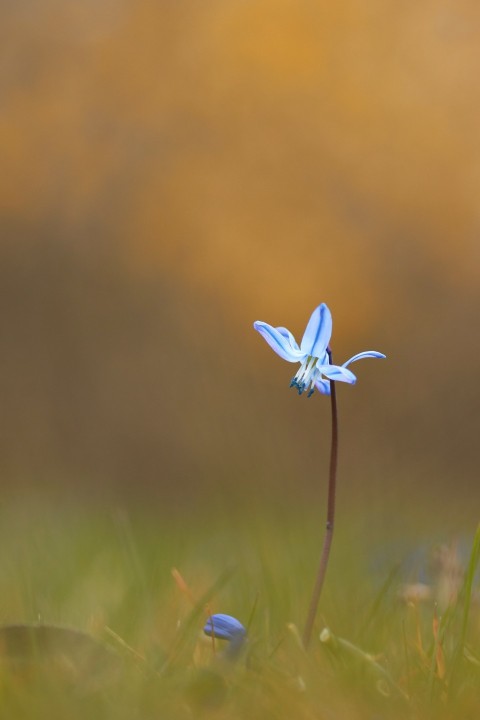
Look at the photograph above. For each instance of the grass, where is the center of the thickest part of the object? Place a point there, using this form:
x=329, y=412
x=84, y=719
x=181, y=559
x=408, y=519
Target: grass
x=122, y=637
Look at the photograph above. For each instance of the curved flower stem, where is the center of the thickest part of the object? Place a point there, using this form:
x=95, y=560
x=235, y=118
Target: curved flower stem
x=322, y=568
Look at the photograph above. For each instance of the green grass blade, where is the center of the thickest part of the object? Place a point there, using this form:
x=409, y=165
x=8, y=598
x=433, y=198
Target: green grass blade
x=465, y=597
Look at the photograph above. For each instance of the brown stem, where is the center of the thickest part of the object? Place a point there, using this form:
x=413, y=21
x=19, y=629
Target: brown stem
x=322, y=568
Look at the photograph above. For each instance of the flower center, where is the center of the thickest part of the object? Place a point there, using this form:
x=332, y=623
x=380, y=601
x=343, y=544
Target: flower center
x=306, y=375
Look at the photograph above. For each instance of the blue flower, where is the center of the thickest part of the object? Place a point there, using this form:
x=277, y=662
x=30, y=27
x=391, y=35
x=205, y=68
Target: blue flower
x=315, y=371
x=226, y=627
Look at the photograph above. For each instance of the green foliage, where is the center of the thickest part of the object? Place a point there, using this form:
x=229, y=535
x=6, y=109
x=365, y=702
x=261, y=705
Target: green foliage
x=95, y=624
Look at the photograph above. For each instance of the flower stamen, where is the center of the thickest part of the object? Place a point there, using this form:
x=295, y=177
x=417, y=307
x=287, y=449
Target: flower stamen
x=306, y=375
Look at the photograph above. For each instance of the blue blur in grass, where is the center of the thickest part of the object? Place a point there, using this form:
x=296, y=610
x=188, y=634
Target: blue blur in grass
x=315, y=370
x=226, y=627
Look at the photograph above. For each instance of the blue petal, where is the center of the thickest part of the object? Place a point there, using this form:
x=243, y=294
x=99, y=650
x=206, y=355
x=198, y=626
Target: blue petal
x=337, y=373
x=318, y=332
x=224, y=627
x=323, y=386
x=366, y=354
x=288, y=336
x=281, y=340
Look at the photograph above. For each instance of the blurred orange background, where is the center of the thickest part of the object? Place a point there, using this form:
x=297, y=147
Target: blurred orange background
x=173, y=171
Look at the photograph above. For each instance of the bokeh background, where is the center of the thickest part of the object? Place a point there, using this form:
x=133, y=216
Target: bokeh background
x=173, y=171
